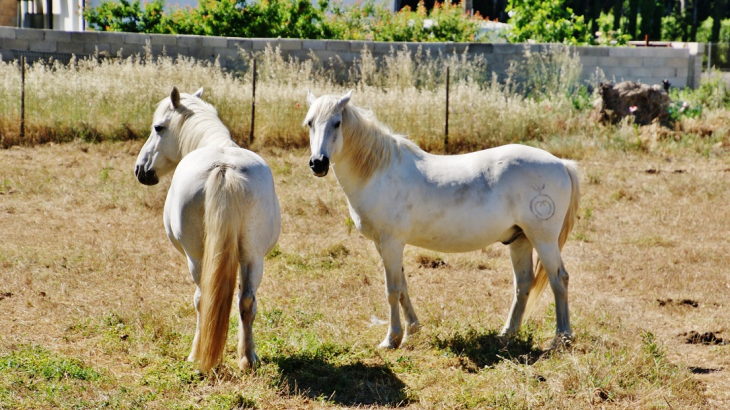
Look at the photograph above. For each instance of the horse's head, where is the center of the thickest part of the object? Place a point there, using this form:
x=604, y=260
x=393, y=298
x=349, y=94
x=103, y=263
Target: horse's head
x=161, y=153
x=325, y=134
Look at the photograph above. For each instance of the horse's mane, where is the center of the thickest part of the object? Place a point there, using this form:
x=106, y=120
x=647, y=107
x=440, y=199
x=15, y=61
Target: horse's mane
x=369, y=144
x=197, y=121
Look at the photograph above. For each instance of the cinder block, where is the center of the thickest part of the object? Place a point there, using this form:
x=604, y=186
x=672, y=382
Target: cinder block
x=337, y=45
x=56, y=35
x=184, y=40
x=70, y=47
x=683, y=72
x=90, y=48
x=359, y=46
x=654, y=62
x=213, y=42
x=608, y=62
x=480, y=48
x=111, y=37
x=8, y=32
x=668, y=52
x=592, y=51
x=15, y=44
x=434, y=49
x=85, y=37
x=43, y=46
x=679, y=82
x=458, y=48
x=313, y=45
x=643, y=72
x=163, y=39
x=618, y=72
x=624, y=51
x=664, y=72
x=242, y=43
x=136, y=38
x=382, y=47
x=588, y=60
x=347, y=57
x=225, y=52
x=634, y=61
x=176, y=51
x=289, y=44
x=262, y=43
x=507, y=48
x=677, y=61
x=29, y=34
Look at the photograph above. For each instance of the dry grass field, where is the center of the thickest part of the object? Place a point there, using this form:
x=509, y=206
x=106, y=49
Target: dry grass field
x=97, y=312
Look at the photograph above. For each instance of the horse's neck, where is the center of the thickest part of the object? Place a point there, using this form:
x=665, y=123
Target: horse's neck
x=215, y=138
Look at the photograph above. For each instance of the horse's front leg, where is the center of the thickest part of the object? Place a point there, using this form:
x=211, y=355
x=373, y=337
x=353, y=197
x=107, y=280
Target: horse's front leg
x=251, y=274
x=396, y=291
x=521, y=255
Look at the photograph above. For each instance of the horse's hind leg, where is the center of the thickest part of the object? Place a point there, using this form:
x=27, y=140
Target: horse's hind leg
x=194, y=267
x=521, y=255
x=397, y=293
x=549, y=255
x=251, y=274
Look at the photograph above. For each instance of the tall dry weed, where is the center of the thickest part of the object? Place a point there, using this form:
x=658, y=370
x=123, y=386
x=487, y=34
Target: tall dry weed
x=541, y=101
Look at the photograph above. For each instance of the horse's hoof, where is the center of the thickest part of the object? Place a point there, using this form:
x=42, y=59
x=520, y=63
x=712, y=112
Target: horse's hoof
x=390, y=343
x=248, y=363
x=413, y=328
x=562, y=341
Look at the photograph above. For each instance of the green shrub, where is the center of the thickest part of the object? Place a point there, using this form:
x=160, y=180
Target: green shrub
x=546, y=21
x=288, y=19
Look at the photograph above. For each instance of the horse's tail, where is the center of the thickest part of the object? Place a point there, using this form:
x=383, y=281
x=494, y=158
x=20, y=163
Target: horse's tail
x=541, y=279
x=223, y=223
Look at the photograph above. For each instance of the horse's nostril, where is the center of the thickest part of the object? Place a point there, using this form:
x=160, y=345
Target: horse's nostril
x=311, y=162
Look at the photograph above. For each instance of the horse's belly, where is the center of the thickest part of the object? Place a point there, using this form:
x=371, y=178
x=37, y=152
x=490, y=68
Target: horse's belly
x=460, y=237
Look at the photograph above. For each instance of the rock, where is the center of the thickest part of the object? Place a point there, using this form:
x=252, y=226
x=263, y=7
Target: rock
x=645, y=103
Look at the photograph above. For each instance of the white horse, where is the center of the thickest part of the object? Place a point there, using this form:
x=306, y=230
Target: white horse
x=221, y=212
x=398, y=194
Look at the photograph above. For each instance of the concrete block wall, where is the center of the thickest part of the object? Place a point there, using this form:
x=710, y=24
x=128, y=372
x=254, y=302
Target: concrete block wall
x=679, y=63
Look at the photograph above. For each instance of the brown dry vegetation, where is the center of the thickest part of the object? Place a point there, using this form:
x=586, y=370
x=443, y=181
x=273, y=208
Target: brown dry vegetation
x=97, y=307
x=97, y=304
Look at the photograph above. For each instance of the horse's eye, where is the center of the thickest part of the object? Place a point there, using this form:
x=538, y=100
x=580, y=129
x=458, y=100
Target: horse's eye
x=337, y=124
x=158, y=128
x=309, y=123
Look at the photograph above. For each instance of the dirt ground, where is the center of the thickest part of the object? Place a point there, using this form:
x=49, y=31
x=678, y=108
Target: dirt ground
x=80, y=238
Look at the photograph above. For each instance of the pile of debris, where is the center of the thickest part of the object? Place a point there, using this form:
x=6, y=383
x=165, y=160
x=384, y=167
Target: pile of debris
x=644, y=102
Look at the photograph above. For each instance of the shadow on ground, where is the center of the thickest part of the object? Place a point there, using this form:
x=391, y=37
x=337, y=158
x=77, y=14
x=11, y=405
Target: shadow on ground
x=351, y=384
x=487, y=349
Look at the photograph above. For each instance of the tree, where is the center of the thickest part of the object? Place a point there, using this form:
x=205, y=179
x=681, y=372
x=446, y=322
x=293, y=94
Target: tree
x=546, y=21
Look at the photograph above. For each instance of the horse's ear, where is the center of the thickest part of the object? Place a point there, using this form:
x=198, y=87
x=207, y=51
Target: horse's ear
x=175, y=97
x=345, y=98
x=310, y=98
x=199, y=93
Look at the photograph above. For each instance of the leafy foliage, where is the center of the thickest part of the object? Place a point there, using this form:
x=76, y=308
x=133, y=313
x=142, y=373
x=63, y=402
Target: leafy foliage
x=288, y=19
x=546, y=21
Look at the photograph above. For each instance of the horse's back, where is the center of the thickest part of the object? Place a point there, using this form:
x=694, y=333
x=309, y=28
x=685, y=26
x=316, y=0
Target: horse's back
x=185, y=204
x=463, y=202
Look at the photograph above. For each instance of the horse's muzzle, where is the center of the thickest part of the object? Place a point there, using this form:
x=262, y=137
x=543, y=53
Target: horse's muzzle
x=146, y=177
x=319, y=165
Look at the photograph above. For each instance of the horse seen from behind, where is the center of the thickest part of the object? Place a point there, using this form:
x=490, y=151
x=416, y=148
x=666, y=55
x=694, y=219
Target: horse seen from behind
x=221, y=213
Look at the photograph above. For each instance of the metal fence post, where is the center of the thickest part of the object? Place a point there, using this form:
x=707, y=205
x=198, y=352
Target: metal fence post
x=253, y=103
x=22, y=98
x=446, y=134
